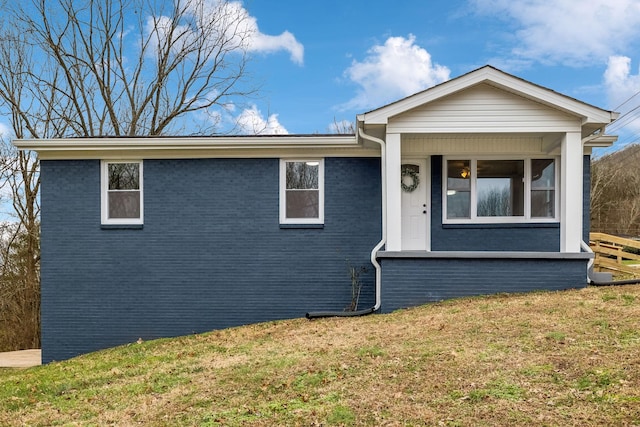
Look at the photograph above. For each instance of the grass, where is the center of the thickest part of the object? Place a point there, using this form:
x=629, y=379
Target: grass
x=561, y=358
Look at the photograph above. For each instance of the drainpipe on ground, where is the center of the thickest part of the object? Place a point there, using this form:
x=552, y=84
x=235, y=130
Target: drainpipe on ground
x=374, y=251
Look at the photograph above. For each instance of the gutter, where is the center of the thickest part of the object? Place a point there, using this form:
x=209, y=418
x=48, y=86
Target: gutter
x=377, y=248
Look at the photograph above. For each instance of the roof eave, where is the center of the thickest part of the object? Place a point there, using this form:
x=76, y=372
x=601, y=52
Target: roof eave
x=602, y=141
x=128, y=143
x=191, y=147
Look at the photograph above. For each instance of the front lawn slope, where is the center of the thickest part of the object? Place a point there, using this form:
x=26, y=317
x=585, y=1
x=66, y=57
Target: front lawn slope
x=562, y=358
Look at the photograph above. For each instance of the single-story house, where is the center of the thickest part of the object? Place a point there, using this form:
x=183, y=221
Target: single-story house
x=478, y=185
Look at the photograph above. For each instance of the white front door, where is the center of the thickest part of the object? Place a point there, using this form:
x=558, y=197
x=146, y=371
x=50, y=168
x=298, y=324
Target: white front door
x=416, y=212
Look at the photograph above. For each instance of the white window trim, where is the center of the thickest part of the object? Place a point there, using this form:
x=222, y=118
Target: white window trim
x=283, y=193
x=104, y=196
x=526, y=218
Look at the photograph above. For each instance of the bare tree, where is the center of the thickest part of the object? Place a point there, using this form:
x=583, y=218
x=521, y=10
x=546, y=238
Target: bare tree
x=134, y=67
x=88, y=68
x=615, y=192
x=343, y=127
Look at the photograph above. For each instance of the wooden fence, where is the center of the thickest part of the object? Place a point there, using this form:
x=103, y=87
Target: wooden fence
x=612, y=251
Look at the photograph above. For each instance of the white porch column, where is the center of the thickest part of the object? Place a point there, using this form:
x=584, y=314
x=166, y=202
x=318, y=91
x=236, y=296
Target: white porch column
x=571, y=193
x=394, y=201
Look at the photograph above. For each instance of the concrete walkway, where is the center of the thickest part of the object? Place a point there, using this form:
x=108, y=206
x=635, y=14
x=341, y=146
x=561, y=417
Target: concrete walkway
x=21, y=359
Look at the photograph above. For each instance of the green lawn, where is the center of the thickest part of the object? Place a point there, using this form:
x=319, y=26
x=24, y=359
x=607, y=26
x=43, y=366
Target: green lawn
x=563, y=358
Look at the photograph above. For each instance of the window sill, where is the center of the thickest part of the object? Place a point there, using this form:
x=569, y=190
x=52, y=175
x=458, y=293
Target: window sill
x=301, y=226
x=121, y=226
x=504, y=225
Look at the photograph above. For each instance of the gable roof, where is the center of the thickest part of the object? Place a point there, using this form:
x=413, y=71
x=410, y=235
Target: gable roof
x=593, y=118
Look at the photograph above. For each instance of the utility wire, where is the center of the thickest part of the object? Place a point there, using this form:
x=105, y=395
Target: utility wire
x=627, y=100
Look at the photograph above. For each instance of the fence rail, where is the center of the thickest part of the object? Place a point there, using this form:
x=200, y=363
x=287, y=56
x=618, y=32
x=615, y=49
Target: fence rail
x=611, y=252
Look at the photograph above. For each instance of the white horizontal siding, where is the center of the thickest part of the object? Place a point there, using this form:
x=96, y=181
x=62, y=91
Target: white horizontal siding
x=483, y=109
x=416, y=144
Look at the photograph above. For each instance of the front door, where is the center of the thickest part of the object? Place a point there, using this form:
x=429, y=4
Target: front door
x=416, y=211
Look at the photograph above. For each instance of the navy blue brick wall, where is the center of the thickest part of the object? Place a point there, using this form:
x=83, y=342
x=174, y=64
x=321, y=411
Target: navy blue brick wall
x=211, y=253
x=413, y=281
x=485, y=237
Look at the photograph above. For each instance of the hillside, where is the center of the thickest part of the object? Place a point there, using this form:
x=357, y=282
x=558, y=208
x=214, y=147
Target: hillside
x=615, y=192
x=565, y=358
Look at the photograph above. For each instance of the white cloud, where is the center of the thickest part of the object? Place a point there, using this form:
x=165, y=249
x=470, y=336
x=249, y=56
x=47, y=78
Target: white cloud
x=619, y=81
x=569, y=32
x=229, y=21
x=392, y=71
x=285, y=41
x=251, y=122
x=5, y=132
x=623, y=93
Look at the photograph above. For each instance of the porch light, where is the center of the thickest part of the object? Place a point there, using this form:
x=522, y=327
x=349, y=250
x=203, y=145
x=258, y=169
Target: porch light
x=465, y=172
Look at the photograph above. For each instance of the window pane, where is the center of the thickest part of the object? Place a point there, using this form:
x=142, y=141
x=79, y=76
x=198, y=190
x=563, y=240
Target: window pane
x=458, y=204
x=124, y=176
x=302, y=175
x=458, y=189
x=543, y=174
x=458, y=175
x=303, y=204
x=500, y=187
x=543, y=204
x=124, y=204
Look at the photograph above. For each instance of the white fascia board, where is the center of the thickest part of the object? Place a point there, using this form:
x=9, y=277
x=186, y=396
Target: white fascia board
x=602, y=141
x=184, y=142
x=589, y=113
x=196, y=147
x=382, y=115
x=501, y=80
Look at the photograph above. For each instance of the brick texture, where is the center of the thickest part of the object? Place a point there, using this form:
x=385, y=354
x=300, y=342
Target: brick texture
x=413, y=281
x=211, y=253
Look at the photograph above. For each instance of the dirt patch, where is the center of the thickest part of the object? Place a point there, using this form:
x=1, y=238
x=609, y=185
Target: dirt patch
x=21, y=359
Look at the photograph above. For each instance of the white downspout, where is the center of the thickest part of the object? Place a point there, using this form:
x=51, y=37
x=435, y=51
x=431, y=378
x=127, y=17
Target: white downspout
x=585, y=246
x=383, y=240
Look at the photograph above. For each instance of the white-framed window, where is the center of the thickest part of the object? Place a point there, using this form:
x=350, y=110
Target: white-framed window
x=495, y=190
x=121, y=192
x=301, y=191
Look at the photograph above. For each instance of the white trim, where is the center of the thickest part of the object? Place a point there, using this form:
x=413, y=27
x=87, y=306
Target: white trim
x=301, y=146
x=571, y=193
x=188, y=142
x=524, y=219
x=394, y=192
x=104, y=194
x=283, y=192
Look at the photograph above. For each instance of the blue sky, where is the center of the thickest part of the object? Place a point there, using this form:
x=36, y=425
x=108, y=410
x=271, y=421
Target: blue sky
x=323, y=61
x=320, y=61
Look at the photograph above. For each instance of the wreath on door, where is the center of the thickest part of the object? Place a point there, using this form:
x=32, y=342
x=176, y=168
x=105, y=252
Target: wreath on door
x=411, y=175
